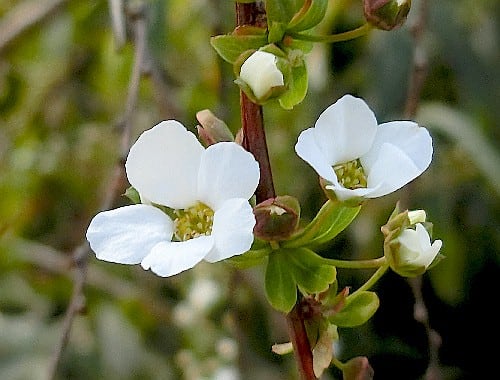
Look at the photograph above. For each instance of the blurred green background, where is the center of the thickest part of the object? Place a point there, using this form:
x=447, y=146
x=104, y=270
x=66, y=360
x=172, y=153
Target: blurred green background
x=64, y=80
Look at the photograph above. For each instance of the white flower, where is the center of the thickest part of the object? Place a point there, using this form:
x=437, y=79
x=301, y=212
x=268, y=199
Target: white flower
x=416, y=249
x=207, y=191
x=357, y=157
x=261, y=73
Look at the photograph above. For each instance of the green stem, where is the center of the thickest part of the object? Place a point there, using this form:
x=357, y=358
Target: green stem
x=345, y=36
x=357, y=264
x=372, y=280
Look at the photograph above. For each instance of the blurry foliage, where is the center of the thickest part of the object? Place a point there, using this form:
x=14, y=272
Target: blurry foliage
x=63, y=87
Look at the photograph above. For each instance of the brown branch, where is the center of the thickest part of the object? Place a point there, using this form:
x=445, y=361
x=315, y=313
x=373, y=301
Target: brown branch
x=115, y=188
x=254, y=140
x=418, y=76
x=25, y=16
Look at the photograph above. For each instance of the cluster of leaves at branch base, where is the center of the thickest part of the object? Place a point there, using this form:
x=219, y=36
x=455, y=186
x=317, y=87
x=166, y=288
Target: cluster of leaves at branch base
x=330, y=310
x=295, y=265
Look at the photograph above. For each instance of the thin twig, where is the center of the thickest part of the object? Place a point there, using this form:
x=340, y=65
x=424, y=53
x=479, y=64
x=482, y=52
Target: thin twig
x=418, y=76
x=115, y=188
x=48, y=259
x=25, y=16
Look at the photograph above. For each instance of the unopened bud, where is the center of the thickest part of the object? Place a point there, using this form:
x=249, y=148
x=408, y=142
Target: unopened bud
x=277, y=218
x=212, y=130
x=358, y=368
x=386, y=14
x=260, y=74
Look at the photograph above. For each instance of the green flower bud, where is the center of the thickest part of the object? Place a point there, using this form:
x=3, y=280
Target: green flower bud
x=386, y=14
x=277, y=218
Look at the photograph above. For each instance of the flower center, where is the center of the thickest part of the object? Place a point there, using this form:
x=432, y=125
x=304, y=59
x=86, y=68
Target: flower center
x=193, y=222
x=351, y=174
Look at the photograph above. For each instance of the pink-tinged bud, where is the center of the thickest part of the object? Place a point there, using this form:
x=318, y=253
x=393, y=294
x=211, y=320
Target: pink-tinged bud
x=358, y=368
x=277, y=218
x=212, y=130
x=386, y=14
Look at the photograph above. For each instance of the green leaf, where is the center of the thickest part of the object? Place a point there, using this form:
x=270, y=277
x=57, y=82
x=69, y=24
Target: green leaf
x=310, y=271
x=332, y=219
x=282, y=10
x=281, y=289
x=297, y=86
x=231, y=46
x=358, y=308
x=276, y=31
x=250, y=258
x=308, y=17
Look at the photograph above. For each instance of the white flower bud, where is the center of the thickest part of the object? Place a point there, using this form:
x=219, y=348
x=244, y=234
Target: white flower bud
x=260, y=72
x=415, y=251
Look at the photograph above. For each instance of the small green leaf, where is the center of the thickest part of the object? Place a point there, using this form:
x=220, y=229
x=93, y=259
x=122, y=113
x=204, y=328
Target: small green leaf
x=310, y=271
x=281, y=290
x=250, y=258
x=231, y=46
x=358, y=308
x=331, y=220
x=308, y=17
x=297, y=86
x=282, y=10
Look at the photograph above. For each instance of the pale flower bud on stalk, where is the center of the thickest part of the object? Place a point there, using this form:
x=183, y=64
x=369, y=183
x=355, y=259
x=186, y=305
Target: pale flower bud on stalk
x=262, y=75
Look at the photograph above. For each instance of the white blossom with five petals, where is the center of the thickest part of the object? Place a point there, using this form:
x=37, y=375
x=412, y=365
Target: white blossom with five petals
x=206, y=191
x=359, y=158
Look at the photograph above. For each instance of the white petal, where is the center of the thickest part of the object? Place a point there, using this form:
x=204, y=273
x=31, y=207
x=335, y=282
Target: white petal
x=226, y=171
x=414, y=141
x=170, y=258
x=344, y=194
x=127, y=234
x=345, y=130
x=308, y=149
x=163, y=165
x=428, y=252
x=232, y=229
x=392, y=170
